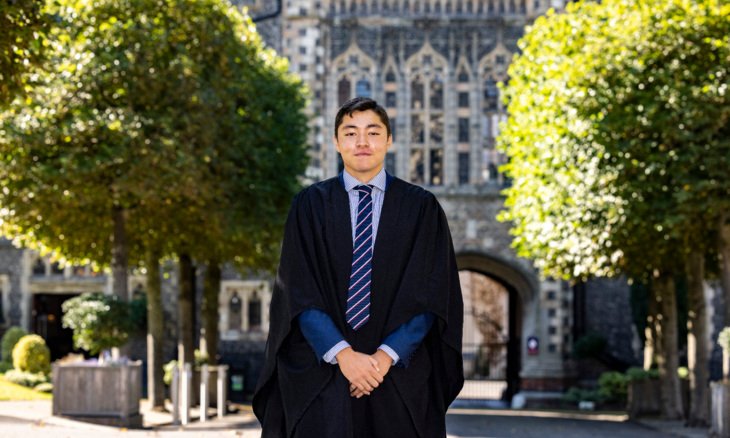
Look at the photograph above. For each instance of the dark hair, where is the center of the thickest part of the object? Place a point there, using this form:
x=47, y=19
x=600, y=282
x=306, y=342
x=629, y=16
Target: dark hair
x=361, y=104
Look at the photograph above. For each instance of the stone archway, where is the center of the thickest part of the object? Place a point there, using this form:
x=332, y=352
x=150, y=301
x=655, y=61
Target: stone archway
x=495, y=309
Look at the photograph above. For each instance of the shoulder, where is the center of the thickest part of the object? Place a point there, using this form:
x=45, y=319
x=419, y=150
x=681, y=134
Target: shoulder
x=413, y=193
x=318, y=191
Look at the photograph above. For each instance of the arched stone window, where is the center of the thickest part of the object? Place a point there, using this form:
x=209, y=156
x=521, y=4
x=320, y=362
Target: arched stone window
x=427, y=74
x=493, y=69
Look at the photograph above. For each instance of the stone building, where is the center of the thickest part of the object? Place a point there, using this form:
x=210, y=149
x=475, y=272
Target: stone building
x=435, y=66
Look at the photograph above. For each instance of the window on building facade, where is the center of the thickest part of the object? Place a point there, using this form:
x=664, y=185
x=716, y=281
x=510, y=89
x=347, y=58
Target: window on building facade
x=39, y=267
x=463, y=130
x=463, y=99
x=362, y=88
x=437, y=94
x=493, y=171
x=463, y=168
x=416, y=166
x=418, y=128
x=437, y=166
x=56, y=268
x=437, y=128
x=390, y=99
x=491, y=95
x=390, y=163
x=254, y=312
x=463, y=76
x=390, y=76
x=234, y=312
x=417, y=94
x=428, y=124
x=343, y=91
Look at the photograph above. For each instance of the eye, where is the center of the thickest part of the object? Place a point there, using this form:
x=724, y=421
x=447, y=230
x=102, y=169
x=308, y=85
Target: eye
x=349, y=134
x=374, y=133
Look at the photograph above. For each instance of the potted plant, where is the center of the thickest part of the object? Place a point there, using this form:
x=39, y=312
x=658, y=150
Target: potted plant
x=720, y=417
x=643, y=392
x=105, y=391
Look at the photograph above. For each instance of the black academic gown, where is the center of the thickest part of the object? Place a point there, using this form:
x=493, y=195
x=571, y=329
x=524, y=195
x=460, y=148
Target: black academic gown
x=413, y=271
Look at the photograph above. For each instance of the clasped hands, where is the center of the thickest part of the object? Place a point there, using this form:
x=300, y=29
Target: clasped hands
x=364, y=372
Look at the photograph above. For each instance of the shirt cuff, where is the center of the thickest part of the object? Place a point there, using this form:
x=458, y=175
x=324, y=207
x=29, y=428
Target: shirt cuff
x=331, y=355
x=390, y=352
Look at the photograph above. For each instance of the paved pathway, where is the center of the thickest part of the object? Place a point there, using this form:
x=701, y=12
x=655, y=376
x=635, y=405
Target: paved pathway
x=33, y=419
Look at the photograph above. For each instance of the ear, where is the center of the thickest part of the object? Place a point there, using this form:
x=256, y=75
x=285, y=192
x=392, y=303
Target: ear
x=336, y=143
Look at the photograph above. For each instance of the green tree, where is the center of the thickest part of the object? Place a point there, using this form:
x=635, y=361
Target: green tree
x=618, y=144
x=23, y=24
x=153, y=131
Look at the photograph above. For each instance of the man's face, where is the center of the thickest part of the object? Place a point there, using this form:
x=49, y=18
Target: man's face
x=363, y=141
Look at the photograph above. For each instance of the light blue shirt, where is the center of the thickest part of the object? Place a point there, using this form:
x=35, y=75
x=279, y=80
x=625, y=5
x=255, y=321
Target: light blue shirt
x=378, y=194
x=378, y=182
x=319, y=329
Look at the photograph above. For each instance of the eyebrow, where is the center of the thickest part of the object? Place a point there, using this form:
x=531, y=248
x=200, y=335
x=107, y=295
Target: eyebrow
x=372, y=125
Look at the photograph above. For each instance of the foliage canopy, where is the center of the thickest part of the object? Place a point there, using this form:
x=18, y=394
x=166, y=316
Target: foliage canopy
x=618, y=136
x=172, y=111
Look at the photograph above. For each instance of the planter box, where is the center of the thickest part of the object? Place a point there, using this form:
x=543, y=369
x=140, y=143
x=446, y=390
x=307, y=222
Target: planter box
x=644, y=398
x=720, y=415
x=212, y=386
x=99, y=394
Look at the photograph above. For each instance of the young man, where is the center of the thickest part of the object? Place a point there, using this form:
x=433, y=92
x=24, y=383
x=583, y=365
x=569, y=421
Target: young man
x=366, y=316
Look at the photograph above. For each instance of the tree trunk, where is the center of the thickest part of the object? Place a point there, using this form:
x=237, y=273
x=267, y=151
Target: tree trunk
x=668, y=359
x=651, y=347
x=120, y=262
x=185, y=313
x=155, y=333
x=211, y=288
x=724, y=250
x=698, y=352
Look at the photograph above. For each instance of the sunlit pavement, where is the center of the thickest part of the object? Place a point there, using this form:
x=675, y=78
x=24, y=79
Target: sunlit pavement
x=33, y=419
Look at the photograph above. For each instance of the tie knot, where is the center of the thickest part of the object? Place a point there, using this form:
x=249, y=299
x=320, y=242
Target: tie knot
x=364, y=189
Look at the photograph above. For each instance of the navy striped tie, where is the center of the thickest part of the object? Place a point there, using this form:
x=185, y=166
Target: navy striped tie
x=358, y=295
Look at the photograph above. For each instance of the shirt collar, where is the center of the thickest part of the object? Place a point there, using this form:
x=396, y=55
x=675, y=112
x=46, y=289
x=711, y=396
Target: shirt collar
x=378, y=181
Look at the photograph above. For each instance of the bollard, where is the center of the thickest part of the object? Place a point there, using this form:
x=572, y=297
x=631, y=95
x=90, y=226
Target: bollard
x=175, y=395
x=222, y=388
x=204, y=377
x=186, y=393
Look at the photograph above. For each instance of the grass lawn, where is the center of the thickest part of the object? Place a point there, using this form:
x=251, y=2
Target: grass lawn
x=11, y=391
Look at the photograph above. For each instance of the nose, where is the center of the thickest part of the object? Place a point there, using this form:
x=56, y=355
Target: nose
x=362, y=140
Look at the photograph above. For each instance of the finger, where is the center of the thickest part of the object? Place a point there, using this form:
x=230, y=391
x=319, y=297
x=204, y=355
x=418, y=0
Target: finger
x=378, y=378
x=374, y=363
